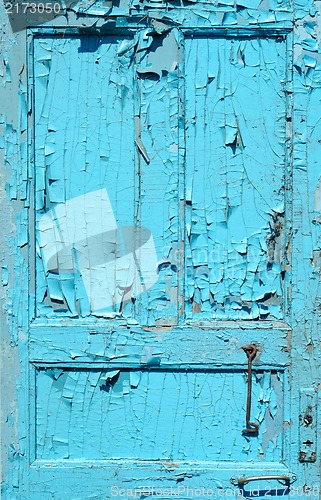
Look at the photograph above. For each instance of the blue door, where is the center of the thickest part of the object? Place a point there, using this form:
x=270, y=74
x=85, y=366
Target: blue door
x=167, y=263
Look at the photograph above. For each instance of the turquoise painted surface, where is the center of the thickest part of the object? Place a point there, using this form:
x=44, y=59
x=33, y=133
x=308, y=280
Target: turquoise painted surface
x=102, y=111
x=235, y=177
x=84, y=141
x=148, y=415
x=145, y=80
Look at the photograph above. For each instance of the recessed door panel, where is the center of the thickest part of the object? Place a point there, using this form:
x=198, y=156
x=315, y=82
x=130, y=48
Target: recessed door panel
x=235, y=178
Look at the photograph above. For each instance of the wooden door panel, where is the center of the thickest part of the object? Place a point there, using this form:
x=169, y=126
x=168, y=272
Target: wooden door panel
x=156, y=374
x=161, y=213
x=160, y=415
x=84, y=142
x=235, y=178
x=112, y=149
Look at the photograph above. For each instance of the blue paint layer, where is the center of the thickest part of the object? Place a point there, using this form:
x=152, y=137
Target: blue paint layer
x=191, y=135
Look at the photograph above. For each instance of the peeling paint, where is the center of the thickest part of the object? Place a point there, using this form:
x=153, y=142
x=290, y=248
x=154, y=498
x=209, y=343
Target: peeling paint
x=231, y=267
x=200, y=120
x=137, y=417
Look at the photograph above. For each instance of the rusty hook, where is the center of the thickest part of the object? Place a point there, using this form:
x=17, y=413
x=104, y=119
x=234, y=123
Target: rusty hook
x=251, y=427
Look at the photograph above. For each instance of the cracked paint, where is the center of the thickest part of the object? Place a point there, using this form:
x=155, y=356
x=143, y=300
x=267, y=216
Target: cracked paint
x=136, y=425
x=238, y=147
x=201, y=128
x=233, y=267
x=131, y=192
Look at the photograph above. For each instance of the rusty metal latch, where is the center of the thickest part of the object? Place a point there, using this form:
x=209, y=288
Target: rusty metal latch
x=251, y=427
